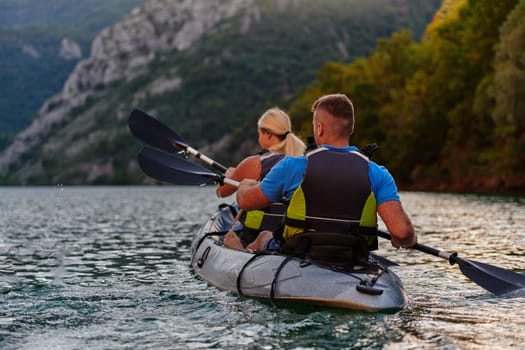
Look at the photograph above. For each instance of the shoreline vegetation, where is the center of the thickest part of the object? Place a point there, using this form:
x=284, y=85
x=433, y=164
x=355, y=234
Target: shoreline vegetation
x=448, y=112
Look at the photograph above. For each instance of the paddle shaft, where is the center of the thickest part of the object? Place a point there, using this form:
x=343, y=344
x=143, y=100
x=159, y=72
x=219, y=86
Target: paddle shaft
x=201, y=156
x=230, y=182
x=451, y=257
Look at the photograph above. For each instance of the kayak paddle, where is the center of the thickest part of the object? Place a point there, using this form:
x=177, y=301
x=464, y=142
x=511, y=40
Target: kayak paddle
x=168, y=168
x=153, y=132
x=165, y=167
x=494, y=279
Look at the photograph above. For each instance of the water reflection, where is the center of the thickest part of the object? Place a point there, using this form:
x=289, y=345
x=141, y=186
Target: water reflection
x=486, y=227
x=109, y=267
x=446, y=307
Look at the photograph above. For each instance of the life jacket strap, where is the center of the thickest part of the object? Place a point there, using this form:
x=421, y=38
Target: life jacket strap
x=320, y=224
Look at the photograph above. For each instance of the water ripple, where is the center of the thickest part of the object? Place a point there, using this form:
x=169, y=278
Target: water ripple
x=108, y=267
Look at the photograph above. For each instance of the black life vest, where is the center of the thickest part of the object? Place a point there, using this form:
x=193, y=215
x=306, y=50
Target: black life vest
x=271, y=217
x=335, y=196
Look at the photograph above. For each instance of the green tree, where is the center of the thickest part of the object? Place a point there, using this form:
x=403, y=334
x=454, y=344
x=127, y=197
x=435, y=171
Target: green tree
x=463, y=57
x=508, y=93
x=441, y=109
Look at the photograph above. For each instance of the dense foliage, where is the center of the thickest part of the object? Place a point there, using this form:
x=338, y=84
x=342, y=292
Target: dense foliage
x=449, y=112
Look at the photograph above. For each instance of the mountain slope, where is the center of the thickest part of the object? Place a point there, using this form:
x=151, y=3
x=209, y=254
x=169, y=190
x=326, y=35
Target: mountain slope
x=40, y=44
x=207, y=68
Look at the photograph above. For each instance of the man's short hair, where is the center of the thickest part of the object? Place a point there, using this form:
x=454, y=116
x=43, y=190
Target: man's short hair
x=338, y=106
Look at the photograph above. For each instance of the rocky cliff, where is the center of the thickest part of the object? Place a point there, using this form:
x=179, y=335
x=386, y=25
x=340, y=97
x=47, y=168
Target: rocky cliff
x=121, y=52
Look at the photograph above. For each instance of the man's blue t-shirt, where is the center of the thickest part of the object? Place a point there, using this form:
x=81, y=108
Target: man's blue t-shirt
x=284, y=178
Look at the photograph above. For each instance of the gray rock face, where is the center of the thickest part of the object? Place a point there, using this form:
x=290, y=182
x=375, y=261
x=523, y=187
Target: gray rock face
x=69, y=49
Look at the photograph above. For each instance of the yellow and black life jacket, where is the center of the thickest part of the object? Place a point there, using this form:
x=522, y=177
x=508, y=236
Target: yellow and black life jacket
x=271, y=217
x=335, y=196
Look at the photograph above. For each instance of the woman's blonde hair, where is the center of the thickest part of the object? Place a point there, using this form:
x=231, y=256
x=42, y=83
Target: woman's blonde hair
x=276, y=121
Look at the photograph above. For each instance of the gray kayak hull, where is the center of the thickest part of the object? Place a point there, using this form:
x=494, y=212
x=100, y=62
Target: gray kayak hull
x=265, y=276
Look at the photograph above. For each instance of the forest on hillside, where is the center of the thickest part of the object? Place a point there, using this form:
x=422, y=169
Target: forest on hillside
x=31, y=67
x=447, y=113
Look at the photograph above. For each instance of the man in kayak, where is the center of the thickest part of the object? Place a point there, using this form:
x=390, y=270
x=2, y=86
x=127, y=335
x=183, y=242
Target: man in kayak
x=333, y=188
x=274, y=129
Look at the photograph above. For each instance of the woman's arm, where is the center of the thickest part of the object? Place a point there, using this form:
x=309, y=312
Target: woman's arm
x=249, y=168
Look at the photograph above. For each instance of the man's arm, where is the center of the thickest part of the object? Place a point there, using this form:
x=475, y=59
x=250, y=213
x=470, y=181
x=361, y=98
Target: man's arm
x=398, y=223
x=250, y=196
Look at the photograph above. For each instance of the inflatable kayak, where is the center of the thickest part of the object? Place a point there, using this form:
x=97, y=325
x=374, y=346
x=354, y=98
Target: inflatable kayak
x=284, y=279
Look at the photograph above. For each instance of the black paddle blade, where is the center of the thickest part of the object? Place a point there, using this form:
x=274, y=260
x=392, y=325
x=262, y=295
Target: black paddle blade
x=167, y=168
x=494, y=279
x=153, y=132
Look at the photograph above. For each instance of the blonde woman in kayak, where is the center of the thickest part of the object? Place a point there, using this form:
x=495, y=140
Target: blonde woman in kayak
x=277, y=139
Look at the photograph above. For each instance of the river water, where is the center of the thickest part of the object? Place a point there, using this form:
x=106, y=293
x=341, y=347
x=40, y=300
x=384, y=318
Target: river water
x=108, y=268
